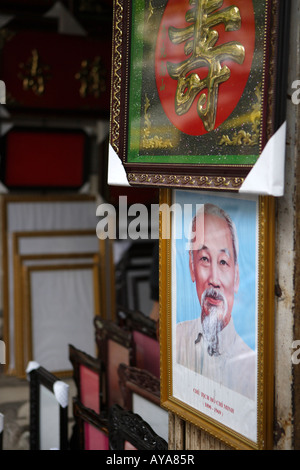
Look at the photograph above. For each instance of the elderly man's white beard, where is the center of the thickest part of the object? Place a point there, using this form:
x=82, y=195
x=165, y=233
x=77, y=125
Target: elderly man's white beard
x=212, y=323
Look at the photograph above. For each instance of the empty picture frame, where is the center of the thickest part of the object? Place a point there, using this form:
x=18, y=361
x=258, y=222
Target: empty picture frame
x=217, y=314
x=87, y=377
x=19, y=317
x=128, y=431
x=1, y=430
x=30, y=213
x=137, y=321
x=141, y=392
x=115, y=346
x=107, y=274
x=92, y=428
x=60, y=305
x=49, y=401
x=36, y=247
x=146, y=348
x=197, y=90
x=140, y=288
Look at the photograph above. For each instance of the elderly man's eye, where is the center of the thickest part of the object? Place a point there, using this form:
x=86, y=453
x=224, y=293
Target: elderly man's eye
x=223, y=262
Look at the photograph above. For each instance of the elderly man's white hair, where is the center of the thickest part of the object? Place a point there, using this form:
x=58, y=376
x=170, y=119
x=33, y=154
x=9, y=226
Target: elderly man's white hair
x=218, y=212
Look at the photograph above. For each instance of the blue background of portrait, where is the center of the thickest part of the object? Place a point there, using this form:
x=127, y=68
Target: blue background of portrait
x=243, y=211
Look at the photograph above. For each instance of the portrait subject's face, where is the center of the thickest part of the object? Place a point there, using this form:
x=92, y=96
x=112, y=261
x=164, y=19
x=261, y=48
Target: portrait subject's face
x=213, y=269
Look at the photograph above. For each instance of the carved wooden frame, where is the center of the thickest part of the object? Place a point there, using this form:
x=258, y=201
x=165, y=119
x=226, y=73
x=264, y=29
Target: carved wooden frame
x=209, y=168
x=142, y=382
x=264, y=330
x=127, y=426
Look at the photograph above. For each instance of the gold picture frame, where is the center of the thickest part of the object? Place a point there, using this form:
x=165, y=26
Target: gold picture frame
x=8, y=204
x=19, y=262
x=27, y=272
x=212, y=403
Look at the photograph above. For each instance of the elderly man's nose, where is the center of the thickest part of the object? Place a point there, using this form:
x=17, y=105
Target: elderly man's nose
x=214, y=283
x=213, y=277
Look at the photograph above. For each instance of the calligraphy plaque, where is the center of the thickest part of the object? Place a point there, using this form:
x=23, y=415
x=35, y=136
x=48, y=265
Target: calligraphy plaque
x=47, y=72
x=196, y=89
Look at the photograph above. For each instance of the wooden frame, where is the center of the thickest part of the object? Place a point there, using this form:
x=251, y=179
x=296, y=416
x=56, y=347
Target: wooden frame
x=85, y=419
x=28, y=302
x=136, y=320
x=140, y=286
x=1, y=430
x=115, y=345
x=177, y=130
x=92, y=364
x=145, y=341
x=28, y=6
x=107, y=274
x=135, y=262
x=7, y=204
x=141, y=393
x=129, y=428
x=135, y=380
x=217, y=403
x=40, y=379
x=18, y=258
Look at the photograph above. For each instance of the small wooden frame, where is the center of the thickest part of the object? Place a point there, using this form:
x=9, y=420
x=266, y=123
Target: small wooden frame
x=115, y=345
x=92, y=428
x=128, y=431
x=146, y=348
x=87, y=377
x=135, y=380
x=141, y=392
x=1, y=430
x=48, y=414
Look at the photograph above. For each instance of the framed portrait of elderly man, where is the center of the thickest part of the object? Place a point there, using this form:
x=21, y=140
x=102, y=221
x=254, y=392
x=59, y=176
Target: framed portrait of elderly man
x=216, y=321
x=197, y=89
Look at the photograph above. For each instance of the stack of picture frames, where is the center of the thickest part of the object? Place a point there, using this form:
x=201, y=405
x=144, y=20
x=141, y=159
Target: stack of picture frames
x=198, y=107
x=52, y=270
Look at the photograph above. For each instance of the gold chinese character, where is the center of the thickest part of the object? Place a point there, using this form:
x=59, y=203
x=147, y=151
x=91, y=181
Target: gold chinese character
x=200, y=45
x=92, y=78
x=34, y=76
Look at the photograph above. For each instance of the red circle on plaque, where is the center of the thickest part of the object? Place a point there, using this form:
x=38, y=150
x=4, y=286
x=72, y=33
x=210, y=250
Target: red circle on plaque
x=229, y=91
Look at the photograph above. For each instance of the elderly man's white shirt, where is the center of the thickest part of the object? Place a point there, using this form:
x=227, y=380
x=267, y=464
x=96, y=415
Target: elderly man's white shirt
x=234, y=367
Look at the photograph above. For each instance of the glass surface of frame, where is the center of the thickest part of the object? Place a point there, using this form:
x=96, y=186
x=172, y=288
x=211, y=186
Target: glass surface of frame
x=48, y=411
x=216, y=333
x=196, y=89
x=49, y=420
